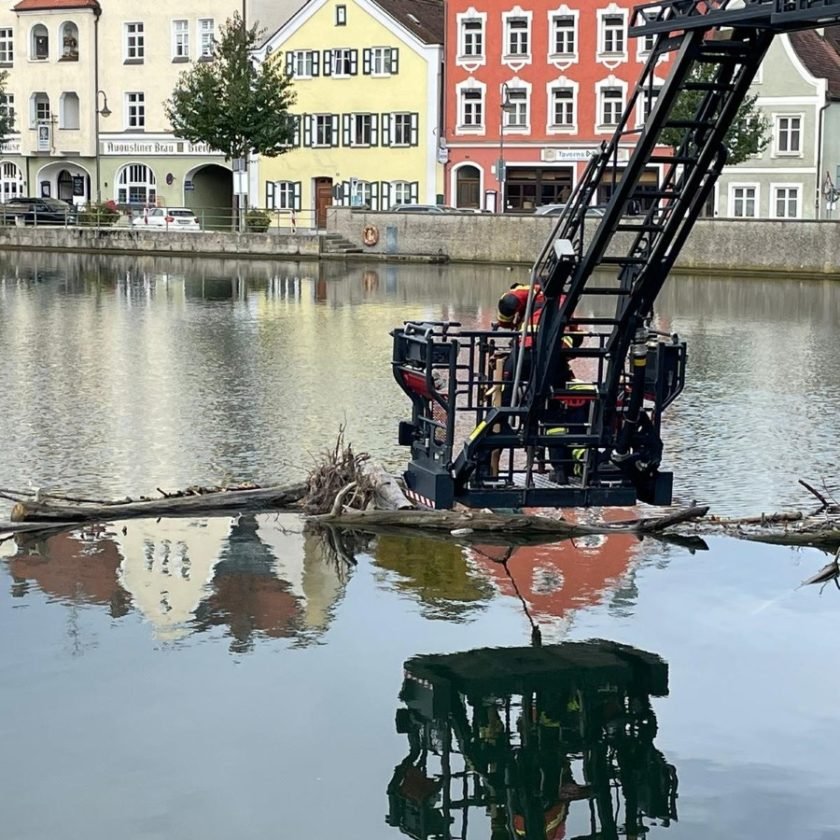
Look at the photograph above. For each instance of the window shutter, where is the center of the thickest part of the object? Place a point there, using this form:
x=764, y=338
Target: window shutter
x=374, y=195
x=335, y=129
x=269, y=195
x=366, y=62
x=346, y=120
x=290, y=63
x=354, y=62
x=307, y=129
x=415, y=119
x=414, y=188
x=345, y=193
x=386, y=129
x=296, y=130
x=296, y=195
x=395, y=61
x=328, y=62
x=316, y=56
x=385, y=195
x=374, y=129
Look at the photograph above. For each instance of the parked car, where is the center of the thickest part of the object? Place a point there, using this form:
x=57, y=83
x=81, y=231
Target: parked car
x=420, y=208
x=594, y=212
x=38, y=211
x=166, y=218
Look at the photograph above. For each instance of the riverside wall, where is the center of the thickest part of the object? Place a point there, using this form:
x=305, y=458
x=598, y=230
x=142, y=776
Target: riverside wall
x=715, y=245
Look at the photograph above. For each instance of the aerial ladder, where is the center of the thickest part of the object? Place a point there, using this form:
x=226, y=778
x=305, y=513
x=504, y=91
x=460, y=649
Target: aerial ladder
x=557, y=441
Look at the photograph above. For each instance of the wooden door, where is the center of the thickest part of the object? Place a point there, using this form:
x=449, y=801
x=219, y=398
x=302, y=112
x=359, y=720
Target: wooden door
x=323, y=199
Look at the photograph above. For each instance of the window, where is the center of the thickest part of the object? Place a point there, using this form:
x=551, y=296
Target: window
x=612, y=104
x=302, y=64
x=68, y=116
x=564, y=35
x=40, y=43
x=341, y=15
x=361, y=194
x=646, y=44
x=11, y=181
x=282, y=195
x=563, y=107
x=206, y=41
x=516, y=112
x=788, y=135
x=359, y=130
x=403, y=192
x=7, y=108
x=135, y=110
x=323, y=130
x=645, y=102
x=404, y=130
x=472, y=108
x=472, y=39
x=69, y=42
x=786, y=202
x=340, y=62
x=180, y=40
x=380, y=61
x=517, y=40
x=40, y=108
x=136, y=185
x=743, y=201
x=612, y=34
x=135, y=43
x=7, y=47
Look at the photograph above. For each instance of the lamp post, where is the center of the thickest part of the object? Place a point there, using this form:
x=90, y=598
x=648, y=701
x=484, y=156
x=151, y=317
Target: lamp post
x=104, y=111
x=505, y=107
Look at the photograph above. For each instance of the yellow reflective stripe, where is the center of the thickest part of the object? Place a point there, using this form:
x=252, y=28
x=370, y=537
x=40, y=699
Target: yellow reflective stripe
x=477, y=430
x=639, y=362
x=557, y=430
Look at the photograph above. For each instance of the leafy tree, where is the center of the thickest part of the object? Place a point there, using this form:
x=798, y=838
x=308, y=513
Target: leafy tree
x=6, y=122
x=231, y=104
x=748, y=135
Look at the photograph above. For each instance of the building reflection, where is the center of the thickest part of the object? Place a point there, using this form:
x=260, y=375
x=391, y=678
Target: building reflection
x=534, y=743
x=253, y=576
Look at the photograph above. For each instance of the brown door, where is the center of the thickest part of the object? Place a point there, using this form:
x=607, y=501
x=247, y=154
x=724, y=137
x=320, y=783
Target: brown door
x=323, y=199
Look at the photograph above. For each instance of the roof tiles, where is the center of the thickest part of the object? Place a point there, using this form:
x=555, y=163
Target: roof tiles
x=821, y=55
x=47, y=5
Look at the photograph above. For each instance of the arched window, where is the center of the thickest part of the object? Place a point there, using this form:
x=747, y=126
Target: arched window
x=68, y=116
x=69, y=42
x=136, y=185
x=468, y=187
x=40, y=47
x=39, y=108
x=11, y=180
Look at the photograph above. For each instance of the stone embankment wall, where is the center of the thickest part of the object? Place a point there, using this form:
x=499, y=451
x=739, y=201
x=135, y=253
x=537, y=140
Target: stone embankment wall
x=716, y=245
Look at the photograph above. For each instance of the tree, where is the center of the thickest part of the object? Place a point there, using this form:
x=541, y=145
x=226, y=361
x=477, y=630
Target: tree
x=748, y=135
x=6, y=119
x=231, y=103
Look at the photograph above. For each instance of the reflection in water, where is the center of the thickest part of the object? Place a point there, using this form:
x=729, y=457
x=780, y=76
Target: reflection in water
x=532, y=743
x=256, y=576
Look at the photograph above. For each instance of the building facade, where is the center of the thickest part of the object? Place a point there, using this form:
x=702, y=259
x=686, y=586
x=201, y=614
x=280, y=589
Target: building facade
x=87, y=82
x=367, y=77
x=532, y=90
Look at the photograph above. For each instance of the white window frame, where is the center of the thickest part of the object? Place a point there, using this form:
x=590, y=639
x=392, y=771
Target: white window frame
x=361, y=123
x=345, y=56
x=306, y=60
x=384, y=56
x=519, y=59
x=206, y=28
x=7, y=46
x=563, y=59
x=11, y=180
x=33, y=56
x=400, y=193
x=777, y=135
x=7, y=106
x=611, y=58
x=644, y=47
x=135, y=109
x=473, y=16
x=730, y=209
x=610, y=83
x=284, y=195
x=134, y=40
x=775, y=189
x=473, y=86
x=124, y=181
x=328, y=121
x=407, y=119
x=519, y=94
x=41, y=98
x=646, y=102
x=561, y=84
x=180, y=39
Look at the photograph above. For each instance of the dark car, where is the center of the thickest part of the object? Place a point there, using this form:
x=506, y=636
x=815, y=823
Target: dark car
x=39, y=211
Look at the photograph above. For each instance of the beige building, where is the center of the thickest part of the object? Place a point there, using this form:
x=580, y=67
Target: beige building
x=87, y=82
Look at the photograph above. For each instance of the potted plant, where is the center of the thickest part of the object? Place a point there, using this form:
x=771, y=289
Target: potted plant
x=257, y=221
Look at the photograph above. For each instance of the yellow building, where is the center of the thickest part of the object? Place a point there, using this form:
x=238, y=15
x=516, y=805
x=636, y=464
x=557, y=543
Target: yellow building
x=86, y=84
x=368, y=77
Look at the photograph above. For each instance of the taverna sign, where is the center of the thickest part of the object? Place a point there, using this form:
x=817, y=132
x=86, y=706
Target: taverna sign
x=155, y=147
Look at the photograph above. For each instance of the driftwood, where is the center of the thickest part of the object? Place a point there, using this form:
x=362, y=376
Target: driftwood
x=33, y=509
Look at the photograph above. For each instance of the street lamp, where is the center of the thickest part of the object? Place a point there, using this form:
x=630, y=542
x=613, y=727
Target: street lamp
x=505, y=107
x=104, y=111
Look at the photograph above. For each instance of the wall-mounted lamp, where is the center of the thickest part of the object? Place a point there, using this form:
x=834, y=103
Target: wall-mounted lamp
x=104, y=111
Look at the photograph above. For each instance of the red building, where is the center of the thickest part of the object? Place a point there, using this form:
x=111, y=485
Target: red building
x=531, y=91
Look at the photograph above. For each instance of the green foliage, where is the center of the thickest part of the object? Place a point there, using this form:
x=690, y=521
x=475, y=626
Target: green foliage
x=257, y=221
x=99, y=215
x=231, y=104
x=6, y=122
x=749, y=133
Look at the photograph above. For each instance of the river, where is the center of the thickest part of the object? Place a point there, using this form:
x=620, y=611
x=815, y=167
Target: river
x=227, y=677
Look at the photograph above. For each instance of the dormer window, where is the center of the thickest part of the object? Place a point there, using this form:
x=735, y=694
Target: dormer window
x=40, y=42
x=69, y=42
